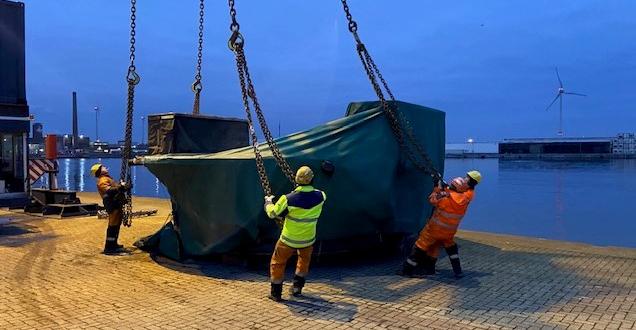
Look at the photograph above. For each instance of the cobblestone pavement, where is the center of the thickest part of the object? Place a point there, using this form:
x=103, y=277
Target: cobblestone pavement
x=52, y=276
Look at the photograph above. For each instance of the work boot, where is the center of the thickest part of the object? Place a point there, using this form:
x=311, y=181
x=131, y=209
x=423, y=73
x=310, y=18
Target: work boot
x=111, y=247
x=408, y=268
x=427, y=267
x=457, y=268
x=297, y=287
x=453, y=256
x=276, y=293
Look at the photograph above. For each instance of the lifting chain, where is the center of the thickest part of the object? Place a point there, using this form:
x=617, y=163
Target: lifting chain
x=400, y=126
x=132, y=78
x=197, y=86
x=236, y=43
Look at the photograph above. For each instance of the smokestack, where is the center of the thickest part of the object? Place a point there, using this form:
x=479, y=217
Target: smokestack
x=75, y=130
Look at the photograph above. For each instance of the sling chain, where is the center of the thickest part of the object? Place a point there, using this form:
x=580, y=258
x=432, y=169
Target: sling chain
x=236, y=43
x=133, y=79
x=196, y=85
x=400, y=126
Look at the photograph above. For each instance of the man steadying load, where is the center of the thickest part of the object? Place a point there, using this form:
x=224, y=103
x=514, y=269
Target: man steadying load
x=301, y=209
x=450, y=205
x=112, y=194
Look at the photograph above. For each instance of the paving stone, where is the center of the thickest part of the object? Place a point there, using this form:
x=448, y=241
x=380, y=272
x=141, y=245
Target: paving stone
x=53, y=276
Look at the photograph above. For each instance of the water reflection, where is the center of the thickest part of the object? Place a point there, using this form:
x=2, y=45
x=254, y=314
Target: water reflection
x=75, y=175
x=67, y=174
x=82, y=173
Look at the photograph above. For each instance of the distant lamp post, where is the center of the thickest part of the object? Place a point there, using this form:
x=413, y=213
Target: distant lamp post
x=472, y=146
x=96, y=123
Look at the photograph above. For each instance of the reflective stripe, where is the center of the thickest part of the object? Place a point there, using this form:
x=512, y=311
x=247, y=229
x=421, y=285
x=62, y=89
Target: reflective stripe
x=450, y=215
x=293, y=241
x=301, y=220
x=110, y=239
x=411, y=262
x=454, y=256
x=445, y=225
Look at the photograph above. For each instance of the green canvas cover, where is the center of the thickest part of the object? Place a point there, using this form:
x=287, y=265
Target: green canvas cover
x=374, y=191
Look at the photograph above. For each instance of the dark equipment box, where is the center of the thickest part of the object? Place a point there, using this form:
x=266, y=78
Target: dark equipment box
x=186, y=133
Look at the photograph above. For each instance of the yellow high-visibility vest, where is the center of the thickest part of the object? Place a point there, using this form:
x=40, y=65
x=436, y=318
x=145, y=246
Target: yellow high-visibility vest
x=301, y=209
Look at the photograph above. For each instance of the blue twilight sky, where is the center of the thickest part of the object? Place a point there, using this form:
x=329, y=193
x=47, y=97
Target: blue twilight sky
x=488, y=64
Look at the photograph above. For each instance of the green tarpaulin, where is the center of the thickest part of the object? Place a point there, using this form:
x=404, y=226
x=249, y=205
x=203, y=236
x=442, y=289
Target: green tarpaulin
x=374, y=192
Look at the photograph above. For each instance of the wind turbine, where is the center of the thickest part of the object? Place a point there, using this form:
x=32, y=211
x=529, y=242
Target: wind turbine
x=561, y=91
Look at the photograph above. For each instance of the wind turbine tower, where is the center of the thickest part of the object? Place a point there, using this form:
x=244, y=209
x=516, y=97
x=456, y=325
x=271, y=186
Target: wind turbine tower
x=560, y=93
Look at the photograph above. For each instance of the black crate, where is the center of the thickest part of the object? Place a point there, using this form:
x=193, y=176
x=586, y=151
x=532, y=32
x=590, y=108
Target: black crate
x=185, y=133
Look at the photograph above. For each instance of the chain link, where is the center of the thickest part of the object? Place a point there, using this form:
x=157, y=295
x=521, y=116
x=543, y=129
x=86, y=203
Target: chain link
x=400, y=126
x=236, y=43
x=197, y=86
x=132, y=78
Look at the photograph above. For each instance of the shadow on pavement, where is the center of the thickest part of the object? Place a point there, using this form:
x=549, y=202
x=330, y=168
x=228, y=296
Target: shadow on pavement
x=15, y=234
x=315, y=307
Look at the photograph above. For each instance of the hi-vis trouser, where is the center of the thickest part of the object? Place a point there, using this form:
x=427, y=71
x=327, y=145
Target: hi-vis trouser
x=439, y=232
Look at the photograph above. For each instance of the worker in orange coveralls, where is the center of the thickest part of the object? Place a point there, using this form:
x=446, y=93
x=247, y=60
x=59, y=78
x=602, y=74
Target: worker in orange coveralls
x=450, y=204
x=112, y=194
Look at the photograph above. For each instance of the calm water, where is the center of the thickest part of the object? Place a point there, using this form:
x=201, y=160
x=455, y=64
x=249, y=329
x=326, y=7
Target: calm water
x=592, y=202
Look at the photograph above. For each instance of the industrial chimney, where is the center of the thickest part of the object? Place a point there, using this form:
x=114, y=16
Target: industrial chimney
x=75, y=130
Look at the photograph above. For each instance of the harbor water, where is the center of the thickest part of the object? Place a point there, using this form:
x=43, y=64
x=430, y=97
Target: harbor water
x=587, y=201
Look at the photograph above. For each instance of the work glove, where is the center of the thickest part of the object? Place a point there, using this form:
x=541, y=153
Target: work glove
x=442, y=194
x=125, y=186
x=269, y=200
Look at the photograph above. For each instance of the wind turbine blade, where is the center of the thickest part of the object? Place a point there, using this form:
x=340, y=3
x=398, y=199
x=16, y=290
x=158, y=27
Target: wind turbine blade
x=558, y=77
x=551, y=103
x=577, y=94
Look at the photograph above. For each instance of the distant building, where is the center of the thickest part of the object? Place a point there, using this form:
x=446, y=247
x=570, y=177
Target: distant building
x=624, y=143
x=14, y=110
x=540, y=146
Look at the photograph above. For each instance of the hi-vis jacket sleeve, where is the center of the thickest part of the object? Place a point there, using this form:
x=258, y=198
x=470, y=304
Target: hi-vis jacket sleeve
x=274, y=210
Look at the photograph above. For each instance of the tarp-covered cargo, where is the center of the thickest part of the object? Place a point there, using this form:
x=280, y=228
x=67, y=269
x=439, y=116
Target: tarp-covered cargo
x=373, y=192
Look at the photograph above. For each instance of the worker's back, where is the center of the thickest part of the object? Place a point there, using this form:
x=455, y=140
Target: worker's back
x=304, y=206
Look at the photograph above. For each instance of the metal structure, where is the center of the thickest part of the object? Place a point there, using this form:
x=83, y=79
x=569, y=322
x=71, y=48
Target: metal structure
x=75, y=124
x=96, y=109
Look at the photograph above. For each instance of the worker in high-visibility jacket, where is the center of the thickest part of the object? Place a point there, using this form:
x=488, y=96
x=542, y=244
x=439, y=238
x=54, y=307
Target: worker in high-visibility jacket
x=113, y=198
x=450, y=204
x=301, y=209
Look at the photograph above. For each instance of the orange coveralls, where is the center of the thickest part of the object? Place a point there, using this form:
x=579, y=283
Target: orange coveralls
x=105, y=183
x=450, y=207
